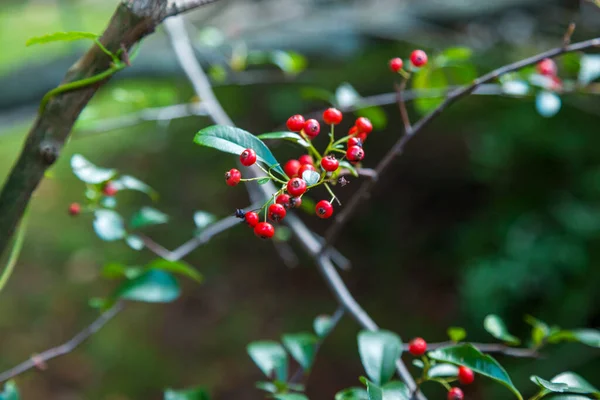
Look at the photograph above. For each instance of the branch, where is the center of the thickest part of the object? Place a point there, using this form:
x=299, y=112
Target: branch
x=402, y=105
x=39, y=359
x=364, y=191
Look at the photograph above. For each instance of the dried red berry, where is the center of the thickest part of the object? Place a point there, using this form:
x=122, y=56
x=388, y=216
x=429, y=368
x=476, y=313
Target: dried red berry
x=264, y=230
x=295, y=202
x=417, y=347
x=248, y=157
x=74, y=209
x=295, y=123
x=296, y=187
x=355, y=153
x=251, y=218
x=324, y=209
x=547, y=67
x=332, y=116
x=330, y=163
x=312, y=128
x=455, y=394
x=465, y=375
x=396, y=64
x=418, y=58
x=232, y=177
x=276, y=212
x=306, y=159
x=364, y=125
x=291, y=168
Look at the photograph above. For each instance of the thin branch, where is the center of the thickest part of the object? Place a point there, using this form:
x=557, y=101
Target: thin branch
x=182, y=6
x=65, y=348
x=402, y=105
x=353, y=205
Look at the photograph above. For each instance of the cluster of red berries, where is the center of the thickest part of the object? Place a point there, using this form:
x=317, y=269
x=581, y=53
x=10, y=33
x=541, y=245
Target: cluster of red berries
x=418, y=59
x=108, y=190
x=418, y=346
x=547, y=67
x=290, y=196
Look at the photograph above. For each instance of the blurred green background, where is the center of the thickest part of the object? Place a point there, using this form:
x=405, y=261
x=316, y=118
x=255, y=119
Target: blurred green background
x=493, y=209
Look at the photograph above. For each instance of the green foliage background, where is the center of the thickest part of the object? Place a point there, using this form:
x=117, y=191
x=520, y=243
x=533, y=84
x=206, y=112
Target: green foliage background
x=494, y=209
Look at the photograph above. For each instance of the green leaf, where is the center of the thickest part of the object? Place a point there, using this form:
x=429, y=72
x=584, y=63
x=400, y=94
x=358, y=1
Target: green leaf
x=566, y=382
x=177, y=267
x=442, y=370
x=456, y=333
x=108, y=225
x=575, y=381
x=135, y=242
x=153, y=286
x=454, y=55
x=418, y=363
x=302, y=347
x=379, y=351
x=88, y=172
x=590, y=337
x=429, y=78
x=392, y=391
x=290, y=136
x=61, y=37
x=290, y=396
x=270, y=357
x=322, y=325
x=187, y=394
x=469, y=356
x=234, y=141
x=289, y=62
x=540, y=330
x=202, y=219
x=147, y=216
x=349, y=167
x=590, y=68
x=11, y=392
x=127, y=182
x=263, y=181
x=494, y=325
x=311, y=177
x=354, y=393
x=549, y=386
x=267, y=387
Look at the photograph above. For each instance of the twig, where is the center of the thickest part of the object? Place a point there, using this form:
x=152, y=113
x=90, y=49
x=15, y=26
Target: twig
x=335, y=318
x=182, y=6
x=402, y=105
x=65, y=348
x=352, y=206
x=14, y=253
x=568, y=34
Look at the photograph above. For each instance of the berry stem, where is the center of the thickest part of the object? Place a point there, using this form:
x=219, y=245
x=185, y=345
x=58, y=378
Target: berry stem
x=311, y=148
x=255, y=179
x=273, y=177
x=333, y=196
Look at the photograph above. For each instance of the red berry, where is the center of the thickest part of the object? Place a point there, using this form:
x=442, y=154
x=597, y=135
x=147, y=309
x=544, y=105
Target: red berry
x=465, y=375
x=354, y=141
x=324, y=209
x=353, y=131
x=295, y=123
x=283, y=199
x=362, y=136
x=547, y=67
x=306, y=159
x=312, y=128
x=332, y=116
x=109, y=189
x=330, y=163
x=364, y=125
x=455, y=394
x=248, y=157
x=296, y=187
x=417, y=347
x=251, y=218
x=74, y=209
x=291, y=168
x=232, y=177
x=418, y=58
x=264, y=230
x=396, y=64
x=276, y=212
x=355, y=153
x=305, y=167
x=295, y=202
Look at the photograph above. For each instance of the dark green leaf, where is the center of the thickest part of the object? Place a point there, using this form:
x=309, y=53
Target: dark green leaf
x=566, y=382
x=355, y=393
x=540, y=330
x=270, y=357
x=469, y=356
x=576, y=381
x=88, y=172
x=496, y=327
x=235, y=141
x=308, y=205
x=392, y=391
x=113, y=270
x=127, y=182
x=290, y=396
x=442, y=370
x=61, y=36
x=322, y=325
x=549, y=386
x=187, y=394
x=263, y=181
x=314, y=93
x=429, y=78
x=135, y=242
x=302, y=347
x=379, y=351
x=349, y=167
x=177, y=267
x=291, y=136
x=267, y=387
x=11, y=392
x=153, y=286
x=147, y=216
x=456, y=333
x=590, y=337
x=108, y=225
x=202, y=219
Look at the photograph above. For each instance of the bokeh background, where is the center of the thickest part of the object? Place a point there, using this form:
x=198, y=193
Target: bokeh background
x=493, y=209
